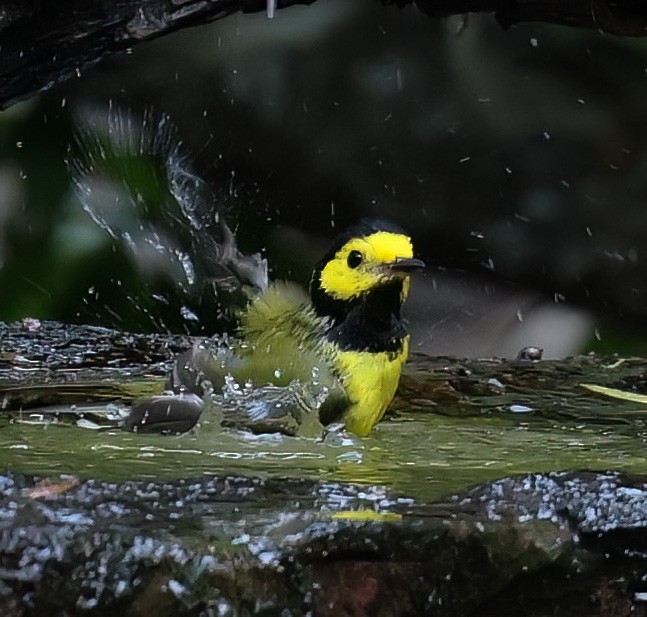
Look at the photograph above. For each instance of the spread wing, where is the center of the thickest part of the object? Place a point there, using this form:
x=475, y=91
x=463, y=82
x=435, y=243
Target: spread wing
x=132, y=176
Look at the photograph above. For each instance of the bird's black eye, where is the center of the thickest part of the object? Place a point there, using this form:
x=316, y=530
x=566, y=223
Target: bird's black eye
x=354, y=259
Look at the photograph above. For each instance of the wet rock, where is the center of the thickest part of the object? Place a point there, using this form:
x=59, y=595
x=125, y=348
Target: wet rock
x=243, y=546
x=56, y=366
x=33, y=353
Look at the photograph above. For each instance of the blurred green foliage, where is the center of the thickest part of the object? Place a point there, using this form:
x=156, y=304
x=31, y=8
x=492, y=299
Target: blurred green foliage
x=518, y=156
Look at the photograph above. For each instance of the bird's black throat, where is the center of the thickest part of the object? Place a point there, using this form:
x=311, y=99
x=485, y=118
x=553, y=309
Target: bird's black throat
x=370, y=323
x=327, y=306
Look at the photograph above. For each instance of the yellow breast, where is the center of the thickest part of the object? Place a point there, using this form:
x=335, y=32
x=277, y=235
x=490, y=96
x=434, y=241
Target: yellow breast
x=370, y=381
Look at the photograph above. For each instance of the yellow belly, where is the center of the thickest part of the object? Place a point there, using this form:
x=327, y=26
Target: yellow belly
x=370, y=381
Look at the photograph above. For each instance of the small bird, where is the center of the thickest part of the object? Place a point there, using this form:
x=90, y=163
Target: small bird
x=338, y=351
x=358, y=288
x=348, y=334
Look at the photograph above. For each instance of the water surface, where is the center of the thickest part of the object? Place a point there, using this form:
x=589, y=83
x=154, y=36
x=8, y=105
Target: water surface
x=424, y=455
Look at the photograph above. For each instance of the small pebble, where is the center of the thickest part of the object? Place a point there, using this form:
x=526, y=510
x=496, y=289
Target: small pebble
x=530, y=353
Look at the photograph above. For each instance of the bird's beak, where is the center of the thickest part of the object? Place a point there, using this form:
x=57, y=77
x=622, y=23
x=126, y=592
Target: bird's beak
x=406, y=265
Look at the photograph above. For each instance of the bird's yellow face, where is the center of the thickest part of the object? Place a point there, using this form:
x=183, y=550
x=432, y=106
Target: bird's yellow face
x=365, y=263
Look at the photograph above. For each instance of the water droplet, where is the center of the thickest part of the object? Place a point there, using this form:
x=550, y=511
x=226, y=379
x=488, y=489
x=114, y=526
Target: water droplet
x=520, y=409
x=188, y=314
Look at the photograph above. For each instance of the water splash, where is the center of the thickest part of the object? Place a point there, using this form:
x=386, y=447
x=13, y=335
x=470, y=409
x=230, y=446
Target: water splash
x=133, y=178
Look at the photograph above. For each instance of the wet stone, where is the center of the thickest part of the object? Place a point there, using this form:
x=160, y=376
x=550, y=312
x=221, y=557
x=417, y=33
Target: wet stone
x=538, y=544
x=250, y=546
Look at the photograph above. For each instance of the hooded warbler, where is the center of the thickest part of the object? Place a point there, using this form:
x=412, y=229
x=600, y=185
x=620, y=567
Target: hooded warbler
x=348, y=334
x=358, y=288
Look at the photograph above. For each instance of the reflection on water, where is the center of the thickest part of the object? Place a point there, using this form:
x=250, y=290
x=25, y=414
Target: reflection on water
x=447, y=454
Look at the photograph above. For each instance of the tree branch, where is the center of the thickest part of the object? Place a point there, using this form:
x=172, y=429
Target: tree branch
x=43, y=43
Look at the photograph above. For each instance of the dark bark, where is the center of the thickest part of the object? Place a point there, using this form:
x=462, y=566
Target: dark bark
x=43, y=43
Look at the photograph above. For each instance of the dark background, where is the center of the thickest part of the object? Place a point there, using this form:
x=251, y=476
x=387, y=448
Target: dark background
x=516, y=159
